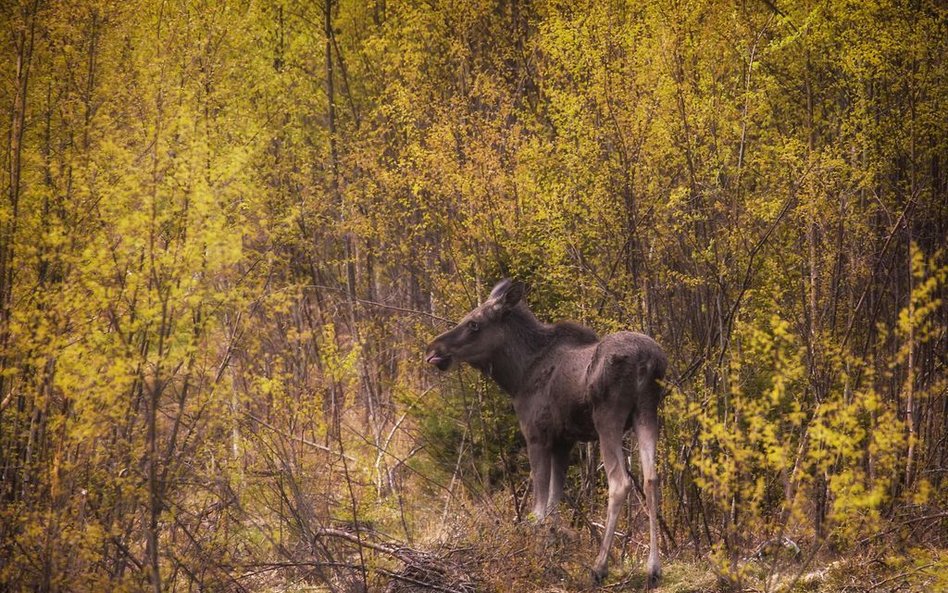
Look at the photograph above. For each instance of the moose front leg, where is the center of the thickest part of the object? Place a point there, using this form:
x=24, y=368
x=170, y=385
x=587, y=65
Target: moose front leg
x=559, y=459
x=540, y=454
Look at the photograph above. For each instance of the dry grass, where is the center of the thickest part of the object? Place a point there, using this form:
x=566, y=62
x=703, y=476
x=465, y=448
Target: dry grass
x=479, y=552
x=502, y=557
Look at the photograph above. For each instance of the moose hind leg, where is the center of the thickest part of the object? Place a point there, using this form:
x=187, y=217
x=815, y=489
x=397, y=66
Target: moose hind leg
x=610, y=445
x=646, y=432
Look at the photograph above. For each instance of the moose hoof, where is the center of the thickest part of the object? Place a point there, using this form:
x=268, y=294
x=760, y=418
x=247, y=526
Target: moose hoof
x=599, y=575
x=654, y=576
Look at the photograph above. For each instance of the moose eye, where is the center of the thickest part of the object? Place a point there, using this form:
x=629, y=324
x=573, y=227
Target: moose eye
x=473, y=326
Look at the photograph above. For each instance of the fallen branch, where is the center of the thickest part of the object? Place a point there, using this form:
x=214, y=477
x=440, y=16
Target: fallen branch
x=421, y=568
x=901, y=575
x=394, y=551
x=420, y=583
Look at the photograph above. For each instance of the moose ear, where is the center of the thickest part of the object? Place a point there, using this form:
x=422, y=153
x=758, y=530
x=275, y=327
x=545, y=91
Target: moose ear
x=500, y=288
x=515, y=293
x=508, y=292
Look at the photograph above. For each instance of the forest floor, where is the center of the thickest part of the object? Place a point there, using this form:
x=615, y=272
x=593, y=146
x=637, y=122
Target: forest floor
x=480, y=556
x=530, y=558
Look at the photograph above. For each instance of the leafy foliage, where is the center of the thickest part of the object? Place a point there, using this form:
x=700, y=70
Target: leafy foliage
x=228, y=229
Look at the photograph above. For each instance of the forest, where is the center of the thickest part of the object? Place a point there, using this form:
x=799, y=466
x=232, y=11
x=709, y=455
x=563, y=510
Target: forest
x=229, y=229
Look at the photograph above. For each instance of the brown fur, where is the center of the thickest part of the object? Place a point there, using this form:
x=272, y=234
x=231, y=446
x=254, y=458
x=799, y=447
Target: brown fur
x=567, y=386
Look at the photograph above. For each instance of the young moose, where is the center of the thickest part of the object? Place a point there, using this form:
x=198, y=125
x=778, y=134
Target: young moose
x=567, y=386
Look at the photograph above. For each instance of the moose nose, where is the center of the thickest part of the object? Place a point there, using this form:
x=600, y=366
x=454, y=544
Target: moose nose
x=440, y=360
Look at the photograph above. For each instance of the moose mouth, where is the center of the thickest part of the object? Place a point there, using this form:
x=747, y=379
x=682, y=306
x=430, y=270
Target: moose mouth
x=443, y=362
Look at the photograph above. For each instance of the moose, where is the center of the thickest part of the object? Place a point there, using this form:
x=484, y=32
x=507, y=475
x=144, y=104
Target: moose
x=567, y=386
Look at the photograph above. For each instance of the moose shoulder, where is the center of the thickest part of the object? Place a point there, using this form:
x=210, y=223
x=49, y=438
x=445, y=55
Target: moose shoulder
x=568, y=386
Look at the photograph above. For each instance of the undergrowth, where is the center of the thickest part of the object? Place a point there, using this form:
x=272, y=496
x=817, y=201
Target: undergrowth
x=501, y=556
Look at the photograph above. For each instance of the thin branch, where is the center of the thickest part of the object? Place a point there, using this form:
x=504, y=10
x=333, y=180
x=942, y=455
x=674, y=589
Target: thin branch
x=294, y=437
x=385, y=305
x=869, y=538
x=875, y=270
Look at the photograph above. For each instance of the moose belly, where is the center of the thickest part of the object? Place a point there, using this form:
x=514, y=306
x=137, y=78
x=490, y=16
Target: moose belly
x=578, y=425
x=559, y=423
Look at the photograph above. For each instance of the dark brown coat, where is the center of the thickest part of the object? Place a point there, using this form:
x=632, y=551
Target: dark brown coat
x=568, y=386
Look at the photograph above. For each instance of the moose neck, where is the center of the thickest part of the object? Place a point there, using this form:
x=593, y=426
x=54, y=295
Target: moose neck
x=526, y=340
